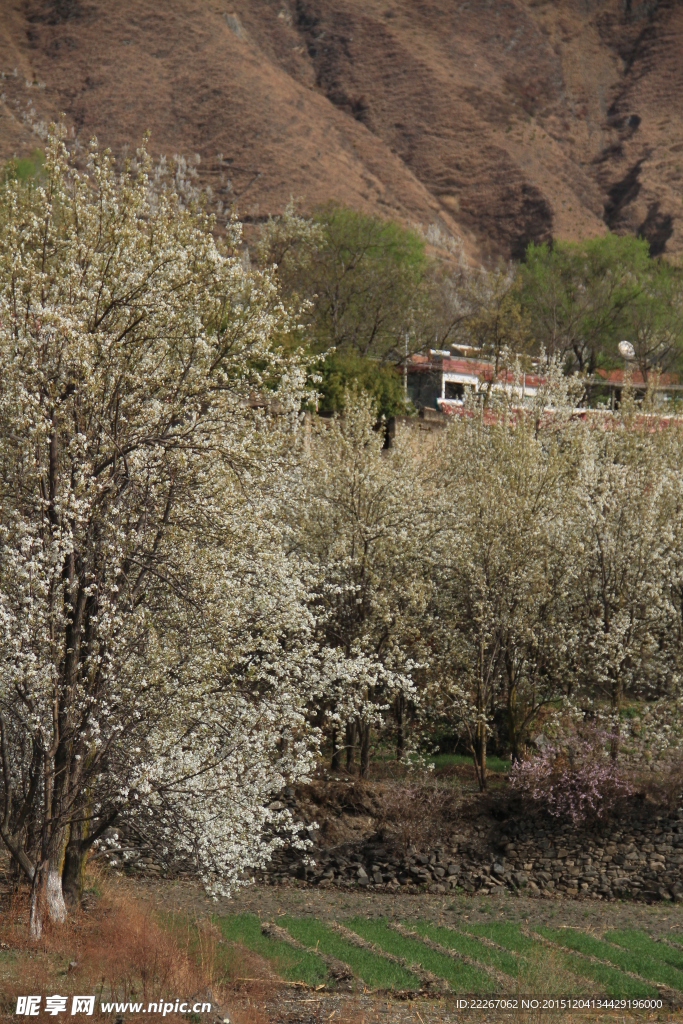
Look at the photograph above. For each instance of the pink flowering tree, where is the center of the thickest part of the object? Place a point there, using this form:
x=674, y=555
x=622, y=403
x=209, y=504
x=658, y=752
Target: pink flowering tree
x=575, y=782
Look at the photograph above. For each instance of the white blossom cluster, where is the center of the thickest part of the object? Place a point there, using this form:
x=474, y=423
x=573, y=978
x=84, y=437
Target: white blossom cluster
x=351, y=511
x=556, y=572
x=155, y=659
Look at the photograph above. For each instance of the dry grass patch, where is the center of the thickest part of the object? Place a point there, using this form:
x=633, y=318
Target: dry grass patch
x=117, y=949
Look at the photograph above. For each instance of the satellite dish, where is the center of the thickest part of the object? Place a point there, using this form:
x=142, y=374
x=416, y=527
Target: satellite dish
x=627, y=350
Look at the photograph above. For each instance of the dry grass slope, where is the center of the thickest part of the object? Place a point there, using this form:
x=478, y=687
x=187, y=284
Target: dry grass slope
x=117, y=949
x=503, y=121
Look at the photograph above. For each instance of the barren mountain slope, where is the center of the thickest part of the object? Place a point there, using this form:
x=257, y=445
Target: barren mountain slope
x=502, y=120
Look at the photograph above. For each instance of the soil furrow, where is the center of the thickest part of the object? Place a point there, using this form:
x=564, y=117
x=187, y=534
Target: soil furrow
x=338, y=970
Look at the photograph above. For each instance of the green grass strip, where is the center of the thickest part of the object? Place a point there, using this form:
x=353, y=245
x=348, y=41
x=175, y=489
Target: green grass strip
x=638, y=942
x=462, y=943
x=494, y=764
x=505, y=933
x=611, y=980
x=643, y=963
x=461, y=977
x=290, y=964
x=372, y=968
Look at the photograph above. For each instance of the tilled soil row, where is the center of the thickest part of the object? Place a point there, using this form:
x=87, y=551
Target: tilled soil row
x=338, y=970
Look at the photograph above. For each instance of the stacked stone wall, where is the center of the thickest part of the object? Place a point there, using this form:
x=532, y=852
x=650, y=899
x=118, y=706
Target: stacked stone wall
x=638, y=855
x=642, y=859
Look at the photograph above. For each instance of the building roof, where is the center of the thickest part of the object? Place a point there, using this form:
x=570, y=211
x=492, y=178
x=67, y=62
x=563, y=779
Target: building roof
x=484, y=371
x=618, y=376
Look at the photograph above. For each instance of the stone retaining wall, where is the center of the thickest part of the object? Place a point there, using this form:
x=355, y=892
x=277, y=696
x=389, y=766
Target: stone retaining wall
x=640, y=857
x=641, y=860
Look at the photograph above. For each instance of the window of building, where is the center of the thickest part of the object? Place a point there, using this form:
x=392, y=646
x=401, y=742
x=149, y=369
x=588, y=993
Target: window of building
x=454, y=391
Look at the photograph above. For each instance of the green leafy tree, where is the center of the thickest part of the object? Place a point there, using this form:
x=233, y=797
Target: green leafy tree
x=578, y=296
x=480, y=309
x=360, y=288
x=27, y=168
x=367, y=284
x=655, y=319
x=382, y=382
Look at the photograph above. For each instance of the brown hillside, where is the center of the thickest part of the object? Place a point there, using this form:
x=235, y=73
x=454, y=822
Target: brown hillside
x=500, y=120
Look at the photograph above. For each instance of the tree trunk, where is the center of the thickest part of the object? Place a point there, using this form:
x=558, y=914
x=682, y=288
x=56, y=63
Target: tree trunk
x=364, y=730
x=512, y=722
x=73, y=872
x=400, y=708
x=46, y=895
x=479, y=745
x=616, y=704
x=480, y=755
x=335, y=764
x=56, y=907
x=35, y=922
x=350, y=744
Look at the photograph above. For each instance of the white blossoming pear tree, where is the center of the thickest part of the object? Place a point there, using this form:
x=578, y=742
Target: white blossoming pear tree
x=502, y=561
x=630, y=514
x=156, y=660
x=353, y=518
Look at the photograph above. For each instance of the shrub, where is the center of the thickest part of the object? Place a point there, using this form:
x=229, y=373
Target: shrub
x=419, y=814
x=575, y=782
